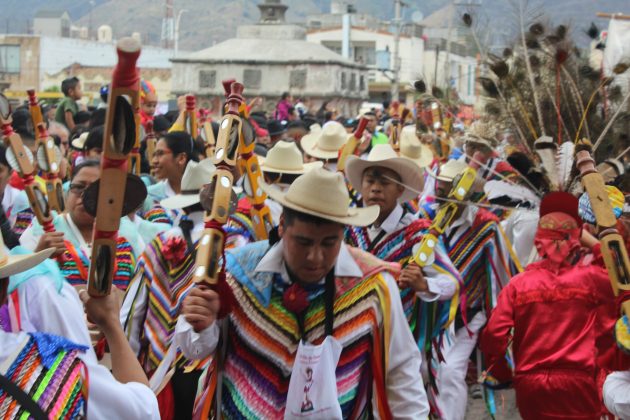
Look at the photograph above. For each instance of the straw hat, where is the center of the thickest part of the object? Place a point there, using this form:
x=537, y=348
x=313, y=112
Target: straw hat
x=382, y=155
x=323, y=194
x=412, y=148
x=481, y=133
x=196, y=175
x=450, y=170
x=285, y=158
x=14, y=264
x=325, y=143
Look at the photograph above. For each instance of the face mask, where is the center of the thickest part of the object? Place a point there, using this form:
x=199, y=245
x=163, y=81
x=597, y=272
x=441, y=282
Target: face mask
x=557, y=238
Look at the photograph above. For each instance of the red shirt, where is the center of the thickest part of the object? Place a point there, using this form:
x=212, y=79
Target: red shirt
x=557, y=317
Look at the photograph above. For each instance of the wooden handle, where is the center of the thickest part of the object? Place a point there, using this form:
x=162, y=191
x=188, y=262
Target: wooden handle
x=351, y=145
x=209, y=256
x=36, y=112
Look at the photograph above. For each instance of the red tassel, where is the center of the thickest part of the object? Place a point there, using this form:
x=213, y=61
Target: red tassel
x=226, y=295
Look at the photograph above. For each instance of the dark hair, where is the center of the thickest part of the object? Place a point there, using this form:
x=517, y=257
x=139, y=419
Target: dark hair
x=88, y=163
x=285, y=95
x=160, y=124
x=180, y=142
x=3, y=156
x=94, y=139
x=81, y=117
x=290, y=216
x=69, y=83
x=98, y=117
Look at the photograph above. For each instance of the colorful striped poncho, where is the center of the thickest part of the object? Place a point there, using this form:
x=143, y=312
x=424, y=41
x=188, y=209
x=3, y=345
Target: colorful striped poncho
x=49, y=370
x=484, y=260
x=428, y=320
x=75, y=264
x=263, y=338
x=167, y=276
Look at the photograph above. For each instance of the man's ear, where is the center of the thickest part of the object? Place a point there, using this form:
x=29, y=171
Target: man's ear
x=181, y=159
x=281, y=226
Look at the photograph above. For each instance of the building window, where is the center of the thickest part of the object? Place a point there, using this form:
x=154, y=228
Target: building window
x=361, y=83
x=9, y=58
x=297, y=79
x=343, y=80
x=353, y=82
x=207, y=78
x=252, y=78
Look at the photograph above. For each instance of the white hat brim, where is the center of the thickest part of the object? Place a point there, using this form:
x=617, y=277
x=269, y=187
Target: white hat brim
x=410, y=173
x=79, y=142
x=308, y=144
x=356, y=216
x=180, y=201
x=305, y=168
x=18, y=263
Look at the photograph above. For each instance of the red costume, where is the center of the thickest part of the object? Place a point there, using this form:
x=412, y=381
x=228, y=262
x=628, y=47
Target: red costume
x=557, y=308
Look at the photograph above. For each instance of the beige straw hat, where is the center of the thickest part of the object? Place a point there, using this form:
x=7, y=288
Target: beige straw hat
x=412, y=148
x=323, y=194
x=451, y=169
x=196, y=175
x=14, y=264
x=383, y=155
x=285, y=158
x=325, y=143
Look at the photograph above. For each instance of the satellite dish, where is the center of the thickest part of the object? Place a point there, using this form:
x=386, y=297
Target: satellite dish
x=417, y=16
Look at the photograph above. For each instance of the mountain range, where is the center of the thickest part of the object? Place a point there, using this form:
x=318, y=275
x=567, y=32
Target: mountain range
x=205, y=22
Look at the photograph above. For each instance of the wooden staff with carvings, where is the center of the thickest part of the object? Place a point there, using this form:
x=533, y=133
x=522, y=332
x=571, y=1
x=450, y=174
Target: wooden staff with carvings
x=151, y=141
x=36, y=113
x=119, y=139
x=134, y=165
x=48, y=159
x=190, y=116
x=351, y=145
x=20, y=159
x=613, y=247
x=210, y=252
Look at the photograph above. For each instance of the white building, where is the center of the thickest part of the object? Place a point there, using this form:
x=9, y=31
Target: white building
x=52, y=23
x=374, y=48
x=270, y=58
x=423, y=49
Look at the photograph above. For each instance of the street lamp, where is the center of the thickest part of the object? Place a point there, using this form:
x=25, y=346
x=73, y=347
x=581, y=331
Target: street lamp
x=179, y=16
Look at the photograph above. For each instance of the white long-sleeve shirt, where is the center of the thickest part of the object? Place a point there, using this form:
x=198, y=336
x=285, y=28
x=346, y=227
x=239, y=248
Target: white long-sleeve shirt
x=405, y=391
x=45, y=309
x=617, y=394
x=440, y=286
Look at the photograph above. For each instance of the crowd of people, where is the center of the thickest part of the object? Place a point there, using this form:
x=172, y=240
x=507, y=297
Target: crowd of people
x=432, y=264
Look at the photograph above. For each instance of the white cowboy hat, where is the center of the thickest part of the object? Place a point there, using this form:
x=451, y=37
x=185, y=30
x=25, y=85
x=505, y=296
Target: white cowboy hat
x=323, y=194
x=325, y=143
x=450, y=170
x=382, y=155
x=14, y=264
x=196, y=175
x=285, y=158
x=412, y=148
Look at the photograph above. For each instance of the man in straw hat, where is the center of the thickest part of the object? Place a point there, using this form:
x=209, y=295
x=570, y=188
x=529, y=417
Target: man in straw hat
x=387, y=180
x=309, y=302
x=556, y=312
x=153, y=302
x=45, y=353
x=477, y=247
x=283, y=164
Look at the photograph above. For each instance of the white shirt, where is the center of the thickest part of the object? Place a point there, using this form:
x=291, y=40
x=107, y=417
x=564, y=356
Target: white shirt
x=405, y=391
x=617, y=394
x=440, y=286
x=44, y=309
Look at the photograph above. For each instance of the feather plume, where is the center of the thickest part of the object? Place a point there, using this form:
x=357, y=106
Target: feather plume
x=592, y=31
x=565, y=163
x=517, y=194
x=546, y=151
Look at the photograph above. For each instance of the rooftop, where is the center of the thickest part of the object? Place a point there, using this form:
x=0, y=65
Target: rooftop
x=279, y=51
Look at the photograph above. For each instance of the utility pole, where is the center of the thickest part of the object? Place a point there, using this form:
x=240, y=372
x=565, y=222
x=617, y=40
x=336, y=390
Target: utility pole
x=396, y=57
x=179, y=17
